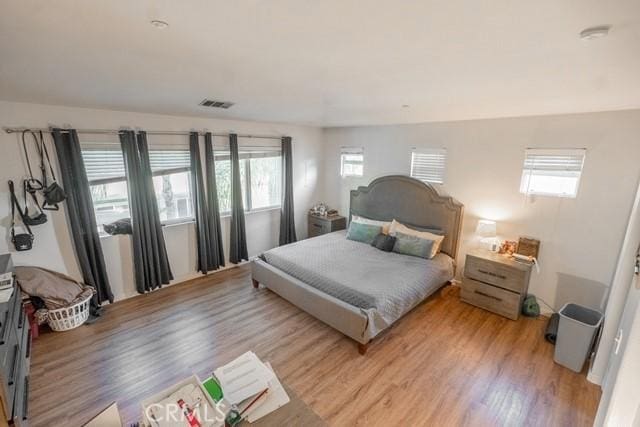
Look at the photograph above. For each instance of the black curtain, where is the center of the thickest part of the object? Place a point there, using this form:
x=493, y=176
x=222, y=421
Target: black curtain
x=82, y=220
x=238, y=242
x=150, y=259
x=215, y=233
x=287, y=219
x=207, y=240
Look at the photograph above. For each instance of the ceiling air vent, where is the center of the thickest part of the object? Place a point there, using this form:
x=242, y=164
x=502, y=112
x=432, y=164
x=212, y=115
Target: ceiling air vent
x=216, y=104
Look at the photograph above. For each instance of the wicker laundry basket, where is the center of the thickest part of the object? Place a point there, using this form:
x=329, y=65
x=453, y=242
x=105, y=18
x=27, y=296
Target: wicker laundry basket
x=64, y=319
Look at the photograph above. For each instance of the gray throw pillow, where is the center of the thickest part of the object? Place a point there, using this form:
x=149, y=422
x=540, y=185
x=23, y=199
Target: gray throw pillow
x=384, y=242
x=413, y=245
x=363, y=232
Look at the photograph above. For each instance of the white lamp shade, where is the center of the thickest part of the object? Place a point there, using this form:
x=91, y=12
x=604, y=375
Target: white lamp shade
x=486, y=228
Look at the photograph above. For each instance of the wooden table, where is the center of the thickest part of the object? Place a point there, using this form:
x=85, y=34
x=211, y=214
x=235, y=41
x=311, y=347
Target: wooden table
x=294, y=413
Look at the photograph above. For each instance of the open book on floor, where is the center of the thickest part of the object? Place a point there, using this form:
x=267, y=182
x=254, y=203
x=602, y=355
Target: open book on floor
x=250, y=384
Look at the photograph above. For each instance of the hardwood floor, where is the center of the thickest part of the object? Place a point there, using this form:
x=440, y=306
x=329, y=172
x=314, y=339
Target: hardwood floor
x=445, y=363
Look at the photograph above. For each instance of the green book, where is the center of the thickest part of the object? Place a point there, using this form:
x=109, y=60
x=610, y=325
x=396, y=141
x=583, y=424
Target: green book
x=213, y=388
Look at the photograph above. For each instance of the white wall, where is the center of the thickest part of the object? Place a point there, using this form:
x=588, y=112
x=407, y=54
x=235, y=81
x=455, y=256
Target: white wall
x=621, y=283
x=580, y=238
x=52, y=246
x=620, y=402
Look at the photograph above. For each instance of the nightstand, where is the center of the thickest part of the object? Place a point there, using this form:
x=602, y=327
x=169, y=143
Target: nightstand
x=319, y=225
x=495, y=282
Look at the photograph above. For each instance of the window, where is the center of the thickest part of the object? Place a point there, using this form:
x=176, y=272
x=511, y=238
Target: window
x=428, y=165
x=172, y=183
x=351, y=161
x=260, y=177
x=552, y=172
x=261, y=169
x=107, y=181
x=105, y=171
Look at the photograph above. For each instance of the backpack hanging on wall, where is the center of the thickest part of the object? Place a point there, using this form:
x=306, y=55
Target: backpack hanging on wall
x=22, y=241
x=53, y=193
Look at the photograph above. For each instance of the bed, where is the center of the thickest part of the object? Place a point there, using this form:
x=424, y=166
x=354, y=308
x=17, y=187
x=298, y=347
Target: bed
x=346, y=284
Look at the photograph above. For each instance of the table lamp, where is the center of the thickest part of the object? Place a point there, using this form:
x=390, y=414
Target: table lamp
x=486, y=229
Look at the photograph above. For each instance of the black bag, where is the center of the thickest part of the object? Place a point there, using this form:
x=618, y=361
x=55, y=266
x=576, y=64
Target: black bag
x=38, y=219
x=52, y=193
x=121, y=226
x=22, y=241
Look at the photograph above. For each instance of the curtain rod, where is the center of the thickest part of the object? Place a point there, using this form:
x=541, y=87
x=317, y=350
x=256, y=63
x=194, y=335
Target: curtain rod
x=152, y=132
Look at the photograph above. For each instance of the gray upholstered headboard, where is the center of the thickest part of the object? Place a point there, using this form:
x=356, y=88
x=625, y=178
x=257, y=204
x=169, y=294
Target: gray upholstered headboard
x=410, y=202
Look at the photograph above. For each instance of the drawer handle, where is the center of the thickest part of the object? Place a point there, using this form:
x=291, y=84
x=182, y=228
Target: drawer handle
x=14, y=368
x=317, y=225
x=490, y=273
x=4, y=327
x=487, y=295
x=29, y=343
x=21, y=318
x=25, y=403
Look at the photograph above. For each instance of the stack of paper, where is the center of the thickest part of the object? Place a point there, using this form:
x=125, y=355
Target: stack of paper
x=276, y=397
x=252, y=385
x=6, y=288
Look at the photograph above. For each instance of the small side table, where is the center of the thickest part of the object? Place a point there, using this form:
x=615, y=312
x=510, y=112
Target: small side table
x=318, y=225
x=495, y=282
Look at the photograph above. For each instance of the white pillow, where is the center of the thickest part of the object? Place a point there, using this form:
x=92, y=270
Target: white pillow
x=362, y=220
x=399, y=227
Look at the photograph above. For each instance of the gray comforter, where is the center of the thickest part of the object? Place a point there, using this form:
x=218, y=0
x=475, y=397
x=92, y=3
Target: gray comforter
x=384, y=285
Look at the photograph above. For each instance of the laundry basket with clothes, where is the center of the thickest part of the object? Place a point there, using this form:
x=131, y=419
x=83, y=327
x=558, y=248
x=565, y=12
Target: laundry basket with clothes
x=65, y=301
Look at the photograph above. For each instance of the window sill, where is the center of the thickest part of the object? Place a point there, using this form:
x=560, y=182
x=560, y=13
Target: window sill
x=177, y=223
x=553, y=195
x=254, y=211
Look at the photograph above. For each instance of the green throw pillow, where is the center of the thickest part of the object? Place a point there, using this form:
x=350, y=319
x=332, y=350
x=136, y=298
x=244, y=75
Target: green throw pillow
x=412, y=245
x=364, y=233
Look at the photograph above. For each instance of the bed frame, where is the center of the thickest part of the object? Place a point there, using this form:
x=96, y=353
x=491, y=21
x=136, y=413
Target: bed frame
x=399, y=197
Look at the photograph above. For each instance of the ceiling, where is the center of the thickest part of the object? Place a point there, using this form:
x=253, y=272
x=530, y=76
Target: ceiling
x=323, y=62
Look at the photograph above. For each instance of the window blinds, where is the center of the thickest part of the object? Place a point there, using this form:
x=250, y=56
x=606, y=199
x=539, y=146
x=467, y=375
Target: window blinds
x=351, y=161
x=169, y=161
x=554, y=162
x=104, y=165
x=552, y=171
x=428, y=165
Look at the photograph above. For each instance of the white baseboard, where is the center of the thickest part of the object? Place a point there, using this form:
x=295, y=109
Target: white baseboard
x=183, y=279
x=593, y=378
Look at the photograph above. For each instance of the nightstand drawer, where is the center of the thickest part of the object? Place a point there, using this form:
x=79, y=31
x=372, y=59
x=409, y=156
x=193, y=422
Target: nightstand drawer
x=492, y=298
x=496, y=274
x=323, y=225
x=318, y=226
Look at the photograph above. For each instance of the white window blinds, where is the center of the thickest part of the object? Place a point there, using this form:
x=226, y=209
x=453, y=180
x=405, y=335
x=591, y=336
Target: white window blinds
x=351, y=161
x=105, y=165
x=552, y=172
x=169, y=160
x=428, y=165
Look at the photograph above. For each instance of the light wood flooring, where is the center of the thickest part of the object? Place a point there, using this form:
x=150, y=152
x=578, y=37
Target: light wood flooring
x=445, y=363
